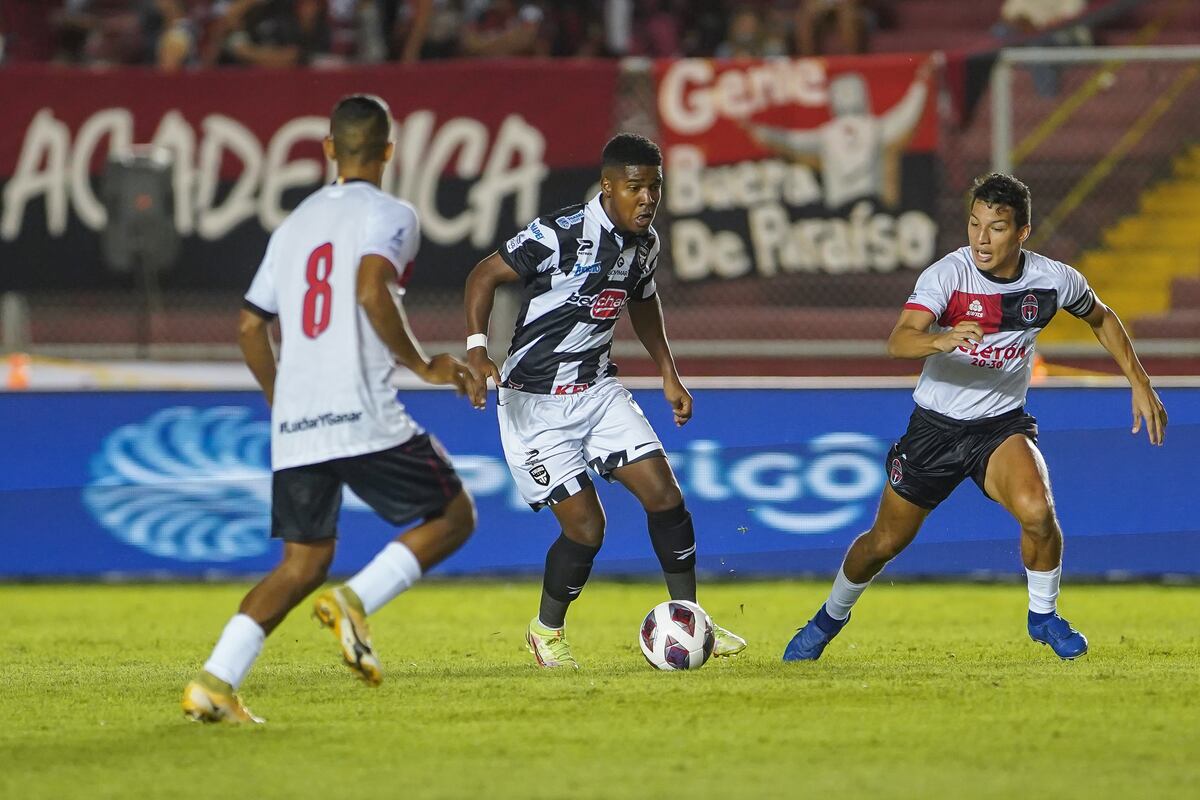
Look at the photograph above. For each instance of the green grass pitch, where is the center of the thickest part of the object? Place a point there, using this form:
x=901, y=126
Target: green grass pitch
x=932, y=691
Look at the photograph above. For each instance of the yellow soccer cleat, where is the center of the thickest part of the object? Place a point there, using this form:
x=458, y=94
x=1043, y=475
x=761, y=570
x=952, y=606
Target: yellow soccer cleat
x=207, y=699
x=340, y=611
x=549, y=646
x=726, y=642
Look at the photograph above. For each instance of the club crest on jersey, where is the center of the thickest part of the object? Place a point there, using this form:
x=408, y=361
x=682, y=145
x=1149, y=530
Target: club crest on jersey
x=895, y=472
x=540, y=474
x=1029, y=309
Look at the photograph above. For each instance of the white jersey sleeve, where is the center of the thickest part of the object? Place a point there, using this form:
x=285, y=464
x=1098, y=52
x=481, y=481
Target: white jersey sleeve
x=1077, y=299
x=393, y=231
x=534, y=250
x=262, y=293
x=933, y=291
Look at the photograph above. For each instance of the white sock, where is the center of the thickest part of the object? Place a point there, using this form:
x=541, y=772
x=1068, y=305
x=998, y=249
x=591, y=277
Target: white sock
x=1043, y=590
x=843, y=596
x=240, y=643
x=389, y=573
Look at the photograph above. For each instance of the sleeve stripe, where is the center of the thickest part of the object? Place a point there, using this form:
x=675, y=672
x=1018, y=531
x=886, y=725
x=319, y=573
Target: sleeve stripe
x=253, y=309
x=918, y=307
x=1084, y=305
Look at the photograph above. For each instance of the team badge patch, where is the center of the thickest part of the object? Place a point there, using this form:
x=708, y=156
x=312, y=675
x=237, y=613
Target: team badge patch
x=1029, y=309
x=540, y=474
x=896, y=472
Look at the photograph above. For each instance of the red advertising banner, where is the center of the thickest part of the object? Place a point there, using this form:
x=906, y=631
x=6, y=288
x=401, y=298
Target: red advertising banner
x=798, y=165
x=481, y=148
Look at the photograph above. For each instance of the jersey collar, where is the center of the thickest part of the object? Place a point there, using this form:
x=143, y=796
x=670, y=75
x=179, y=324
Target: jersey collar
x=596, y=210
x=1020, y=272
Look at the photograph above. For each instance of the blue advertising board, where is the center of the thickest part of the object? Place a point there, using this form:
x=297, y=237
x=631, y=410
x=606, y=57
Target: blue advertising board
x=779, y=481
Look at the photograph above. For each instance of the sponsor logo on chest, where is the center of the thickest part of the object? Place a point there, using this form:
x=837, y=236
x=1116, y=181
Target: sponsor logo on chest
x=620, y=270
x=605, y=305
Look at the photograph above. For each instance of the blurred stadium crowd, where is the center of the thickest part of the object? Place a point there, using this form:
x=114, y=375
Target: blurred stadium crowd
x=177, y=34
x=1109, y=149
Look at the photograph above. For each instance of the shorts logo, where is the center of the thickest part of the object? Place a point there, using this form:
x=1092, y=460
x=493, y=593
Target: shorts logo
x=896, y=472
x=1029, y=309
x=608, y=304
x=571, y=388
x=976, y=309
x=540, y=474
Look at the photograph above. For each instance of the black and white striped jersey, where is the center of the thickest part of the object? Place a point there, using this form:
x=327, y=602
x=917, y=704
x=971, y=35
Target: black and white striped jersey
x=577, y=273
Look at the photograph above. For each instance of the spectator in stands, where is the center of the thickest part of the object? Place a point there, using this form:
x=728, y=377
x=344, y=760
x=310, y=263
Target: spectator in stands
x=171, y=36
x=98, y=32
x=703, y=26
x=272, y=33
x=574, y=29
x=417, y=29
x=750, y=37
x=1025, y=19
x=504, y=29
x=850, y=17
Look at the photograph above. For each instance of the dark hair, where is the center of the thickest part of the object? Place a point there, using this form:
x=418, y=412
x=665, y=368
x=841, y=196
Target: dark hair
x=630, y=150
x=360, y=126
x=998, y=189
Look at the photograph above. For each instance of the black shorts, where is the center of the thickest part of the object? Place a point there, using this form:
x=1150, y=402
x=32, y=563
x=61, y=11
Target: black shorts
x=409, y=481
x=937, y=452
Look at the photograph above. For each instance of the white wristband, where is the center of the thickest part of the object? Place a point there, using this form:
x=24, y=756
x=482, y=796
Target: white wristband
x=477, y=340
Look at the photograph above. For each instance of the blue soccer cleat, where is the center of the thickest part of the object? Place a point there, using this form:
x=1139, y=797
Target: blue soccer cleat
x=1051, y=629
x=809, y=642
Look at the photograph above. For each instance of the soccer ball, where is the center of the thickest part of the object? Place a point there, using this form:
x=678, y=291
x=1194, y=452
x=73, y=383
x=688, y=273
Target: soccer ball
x=677, y=635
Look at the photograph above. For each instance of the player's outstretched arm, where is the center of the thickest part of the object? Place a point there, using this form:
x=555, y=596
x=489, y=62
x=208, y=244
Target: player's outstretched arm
x=647, y=318
x=1146, y=403
x=911, y=337
x=254, y=338
x=478, y=297
x=376, y=278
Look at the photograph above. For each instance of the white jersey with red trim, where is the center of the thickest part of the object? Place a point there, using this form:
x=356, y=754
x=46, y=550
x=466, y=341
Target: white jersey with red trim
x=333, y=396
x=993, y=376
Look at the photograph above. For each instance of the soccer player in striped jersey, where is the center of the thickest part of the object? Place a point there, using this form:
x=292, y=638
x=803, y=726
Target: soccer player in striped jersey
x=561, y=409
x=973, y=317
x=333, y=274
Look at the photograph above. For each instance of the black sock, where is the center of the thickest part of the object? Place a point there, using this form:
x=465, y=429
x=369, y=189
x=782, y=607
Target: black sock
x=568, y=564
x=674, y=540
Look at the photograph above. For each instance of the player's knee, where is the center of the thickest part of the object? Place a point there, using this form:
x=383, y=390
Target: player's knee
x=1035, y=512
x=310, y=570
x=663, y=498
x=461, y=516
x=589, y=531
x=884, y=544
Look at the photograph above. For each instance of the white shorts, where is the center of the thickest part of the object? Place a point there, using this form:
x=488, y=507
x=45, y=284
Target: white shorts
x=551, y=440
